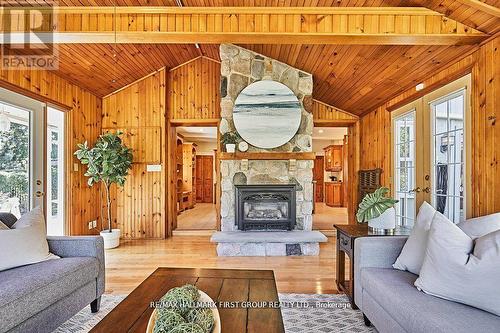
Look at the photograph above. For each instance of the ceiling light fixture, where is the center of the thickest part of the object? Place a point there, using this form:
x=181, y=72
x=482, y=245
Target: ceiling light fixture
x=320, y=131
x=419, y=86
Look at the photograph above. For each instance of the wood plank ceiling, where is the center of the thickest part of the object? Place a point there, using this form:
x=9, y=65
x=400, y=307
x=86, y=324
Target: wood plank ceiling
x=355, y=78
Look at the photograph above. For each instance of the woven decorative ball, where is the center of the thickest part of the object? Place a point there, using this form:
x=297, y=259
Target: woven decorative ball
x=178, y=300
x=191, y=290
x=187, y=328
x=166, y=320
x=203, y=317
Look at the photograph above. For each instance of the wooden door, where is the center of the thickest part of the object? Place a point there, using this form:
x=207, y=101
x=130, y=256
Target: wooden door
x=204, y=179
x=199, y=179
x=318, y=176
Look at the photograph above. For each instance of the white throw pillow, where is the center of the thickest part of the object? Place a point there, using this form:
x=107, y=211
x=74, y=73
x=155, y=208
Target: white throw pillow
x=480, y=226
x=3, y=226
x=34, y=216
x=26, y=243
x=454, y=271
x=413, y=252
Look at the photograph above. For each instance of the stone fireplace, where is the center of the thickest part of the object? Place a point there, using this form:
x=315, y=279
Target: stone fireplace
x=265, y=207
x=266, y=204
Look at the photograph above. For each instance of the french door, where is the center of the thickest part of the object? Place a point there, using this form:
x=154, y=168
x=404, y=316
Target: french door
x=431, y=153
x=31, y=158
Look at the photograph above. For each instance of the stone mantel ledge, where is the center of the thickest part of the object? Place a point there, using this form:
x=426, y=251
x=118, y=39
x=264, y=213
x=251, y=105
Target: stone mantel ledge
x=267, y=156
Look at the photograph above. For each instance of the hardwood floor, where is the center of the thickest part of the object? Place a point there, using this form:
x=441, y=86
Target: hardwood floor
x=325, y=216
x=128, y=265
x=201, y=217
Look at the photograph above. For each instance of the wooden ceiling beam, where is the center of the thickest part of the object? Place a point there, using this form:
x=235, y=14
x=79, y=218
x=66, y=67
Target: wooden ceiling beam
x=247, y=38
x=253, y=25
x=96, y=10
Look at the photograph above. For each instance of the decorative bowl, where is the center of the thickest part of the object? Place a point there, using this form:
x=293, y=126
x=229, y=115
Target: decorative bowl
x=204, y=298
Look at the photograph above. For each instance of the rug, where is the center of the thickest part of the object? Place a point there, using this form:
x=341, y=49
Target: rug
x=302, y=313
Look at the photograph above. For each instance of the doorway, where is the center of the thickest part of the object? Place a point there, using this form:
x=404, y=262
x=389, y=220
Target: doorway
x=330, y=177
x=196, y=181
x=431, y=145
x=32, y=159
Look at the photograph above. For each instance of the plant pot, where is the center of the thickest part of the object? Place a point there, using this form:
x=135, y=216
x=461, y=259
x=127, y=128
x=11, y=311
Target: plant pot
x=384, y=224
x=111, y=239
x=230, y=147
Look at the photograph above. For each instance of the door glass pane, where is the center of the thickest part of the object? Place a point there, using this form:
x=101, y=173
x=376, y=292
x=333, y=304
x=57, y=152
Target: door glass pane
x=404, y=168
x=14, y=159
x=55, y=172
x=448, y=156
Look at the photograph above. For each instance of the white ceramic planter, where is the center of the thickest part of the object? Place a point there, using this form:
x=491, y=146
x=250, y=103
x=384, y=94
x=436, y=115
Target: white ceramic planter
x=230, y=147
x=385, y=223
x=111, y=239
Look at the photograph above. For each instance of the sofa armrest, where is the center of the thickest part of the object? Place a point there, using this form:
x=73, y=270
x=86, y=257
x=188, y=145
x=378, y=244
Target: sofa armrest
x=81, y=246
x=376, y=251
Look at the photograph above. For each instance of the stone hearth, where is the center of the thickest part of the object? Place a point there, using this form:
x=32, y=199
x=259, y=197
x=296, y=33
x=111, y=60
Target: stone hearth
x=277, y=243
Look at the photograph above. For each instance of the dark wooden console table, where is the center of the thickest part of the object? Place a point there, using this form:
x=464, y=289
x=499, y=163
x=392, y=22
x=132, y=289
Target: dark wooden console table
x=346, y=235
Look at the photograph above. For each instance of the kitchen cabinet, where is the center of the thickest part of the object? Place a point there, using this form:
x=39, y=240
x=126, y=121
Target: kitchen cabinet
x=333, y=194
x=333, y=158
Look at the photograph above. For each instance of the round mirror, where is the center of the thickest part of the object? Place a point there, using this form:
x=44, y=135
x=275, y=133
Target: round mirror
x=267, y=114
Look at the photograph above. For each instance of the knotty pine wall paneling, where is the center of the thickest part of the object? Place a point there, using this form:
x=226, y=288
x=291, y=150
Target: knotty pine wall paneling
x=194, y=90
x=484, y=64
x=83, y=123
x=486, y=129
x=139, y=112
x=324, y=112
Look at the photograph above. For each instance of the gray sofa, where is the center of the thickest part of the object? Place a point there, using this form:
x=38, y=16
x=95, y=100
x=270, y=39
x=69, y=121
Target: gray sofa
x=42, y=296
x=390, y=301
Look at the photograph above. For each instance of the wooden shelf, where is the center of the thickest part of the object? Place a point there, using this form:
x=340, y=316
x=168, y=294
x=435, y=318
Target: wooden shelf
x=266, y=156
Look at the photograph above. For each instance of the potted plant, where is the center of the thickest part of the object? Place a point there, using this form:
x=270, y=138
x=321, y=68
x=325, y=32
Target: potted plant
x=378, y=210
x=229, y=140
x=108, y=162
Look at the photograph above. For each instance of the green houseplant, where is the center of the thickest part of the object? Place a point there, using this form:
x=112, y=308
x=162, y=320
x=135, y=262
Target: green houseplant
x=108, y=163
x=229, y=140
x=378, y=210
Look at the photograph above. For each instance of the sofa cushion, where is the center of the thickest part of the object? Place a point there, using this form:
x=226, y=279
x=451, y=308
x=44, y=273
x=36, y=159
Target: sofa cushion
x=413, y=253
x=26, y=290
x=458, y=270
x=26, y=242
x=419, y=312
x=480, y=226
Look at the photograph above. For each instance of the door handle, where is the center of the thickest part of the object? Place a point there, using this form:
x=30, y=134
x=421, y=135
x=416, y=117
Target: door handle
x=427, y=189
x=417, y=189
x=39, y=194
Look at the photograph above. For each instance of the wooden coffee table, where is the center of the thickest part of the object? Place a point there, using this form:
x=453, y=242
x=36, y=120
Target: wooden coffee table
x=222, y=285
